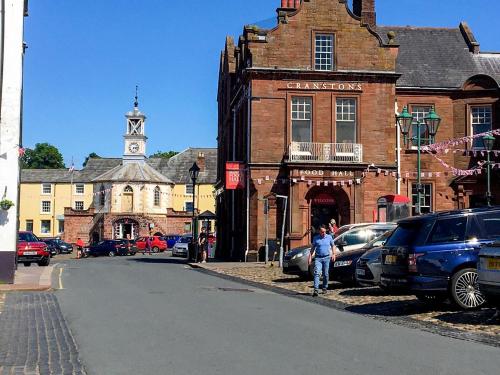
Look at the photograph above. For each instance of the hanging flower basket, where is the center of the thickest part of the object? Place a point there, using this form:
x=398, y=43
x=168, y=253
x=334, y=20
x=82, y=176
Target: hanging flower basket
x=5, y=204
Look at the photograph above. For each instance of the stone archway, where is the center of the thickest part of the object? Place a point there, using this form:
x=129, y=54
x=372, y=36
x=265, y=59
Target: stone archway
x=328, y=203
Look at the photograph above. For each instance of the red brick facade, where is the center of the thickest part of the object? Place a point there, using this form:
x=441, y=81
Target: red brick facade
x=259, y=79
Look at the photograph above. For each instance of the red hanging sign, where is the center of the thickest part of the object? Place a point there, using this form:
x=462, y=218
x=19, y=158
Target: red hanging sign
x=235, y=175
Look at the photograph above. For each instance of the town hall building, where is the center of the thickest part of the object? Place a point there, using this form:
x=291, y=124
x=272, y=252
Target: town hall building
x=307, y=122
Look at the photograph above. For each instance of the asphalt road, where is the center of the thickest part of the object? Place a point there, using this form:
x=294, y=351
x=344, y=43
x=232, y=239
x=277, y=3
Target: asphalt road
x=153, y=315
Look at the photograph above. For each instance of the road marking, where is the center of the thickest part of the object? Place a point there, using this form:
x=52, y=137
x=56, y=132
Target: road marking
x=60, y=278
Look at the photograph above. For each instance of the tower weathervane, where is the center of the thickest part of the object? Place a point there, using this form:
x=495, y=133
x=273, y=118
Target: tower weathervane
x=136, y=103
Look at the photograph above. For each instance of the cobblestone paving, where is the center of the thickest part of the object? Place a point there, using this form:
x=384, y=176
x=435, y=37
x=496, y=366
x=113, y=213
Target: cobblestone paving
x=375, y=302
x=34, y=337
x=2, y=300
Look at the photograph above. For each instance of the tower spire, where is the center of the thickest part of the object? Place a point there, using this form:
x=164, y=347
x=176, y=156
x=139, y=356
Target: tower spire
x=136, y=102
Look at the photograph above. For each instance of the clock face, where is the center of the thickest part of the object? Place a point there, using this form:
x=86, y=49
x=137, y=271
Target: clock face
x=133, y=147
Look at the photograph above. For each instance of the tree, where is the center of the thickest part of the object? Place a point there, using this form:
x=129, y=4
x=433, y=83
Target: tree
x=164, y=155
x=92, y=155
x=43, y=156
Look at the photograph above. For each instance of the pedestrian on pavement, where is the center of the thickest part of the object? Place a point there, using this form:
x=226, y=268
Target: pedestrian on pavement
x=322, y=251
x=148, y=245
x=202, y=244
x=79, y=248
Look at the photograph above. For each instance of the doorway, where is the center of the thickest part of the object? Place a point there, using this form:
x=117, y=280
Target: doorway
x=327, y=204
x=126, y=231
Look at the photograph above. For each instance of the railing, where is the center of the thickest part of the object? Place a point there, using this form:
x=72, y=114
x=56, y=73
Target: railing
x=308, y=152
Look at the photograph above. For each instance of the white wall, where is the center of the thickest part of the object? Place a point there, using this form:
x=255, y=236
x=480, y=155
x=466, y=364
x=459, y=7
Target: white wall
x=10, y=117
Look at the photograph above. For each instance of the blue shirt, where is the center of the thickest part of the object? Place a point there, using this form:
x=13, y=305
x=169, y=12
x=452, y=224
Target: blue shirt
x=322, y=245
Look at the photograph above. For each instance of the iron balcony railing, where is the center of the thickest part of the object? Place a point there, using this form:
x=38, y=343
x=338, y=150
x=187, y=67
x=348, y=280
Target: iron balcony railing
x=308, y=152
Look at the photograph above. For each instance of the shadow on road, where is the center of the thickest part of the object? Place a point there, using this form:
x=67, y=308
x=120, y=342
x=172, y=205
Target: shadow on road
x=476, y=317
x=370, y=292
x=151, y=260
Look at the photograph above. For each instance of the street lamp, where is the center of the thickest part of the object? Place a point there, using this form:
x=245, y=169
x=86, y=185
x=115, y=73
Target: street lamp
x=431, y=121
x=194, y=171
x=489, y=142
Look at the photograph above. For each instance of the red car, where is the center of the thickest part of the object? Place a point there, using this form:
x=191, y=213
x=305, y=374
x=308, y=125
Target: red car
x=32, y=250
x=157, y=244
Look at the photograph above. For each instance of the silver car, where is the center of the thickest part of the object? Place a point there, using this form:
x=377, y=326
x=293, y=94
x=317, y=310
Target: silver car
x=181, y=246
x=488, y=271
x=295, y=262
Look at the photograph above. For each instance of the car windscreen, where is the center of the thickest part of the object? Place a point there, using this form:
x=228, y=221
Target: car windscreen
x=185, y=240
x=27, y=237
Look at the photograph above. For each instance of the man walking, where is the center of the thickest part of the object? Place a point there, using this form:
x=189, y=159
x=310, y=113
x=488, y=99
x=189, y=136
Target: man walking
x=322, y=250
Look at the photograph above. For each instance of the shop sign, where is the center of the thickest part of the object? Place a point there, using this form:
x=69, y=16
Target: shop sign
x=235, y=175
x=324, y=200
x=325, y=86
x=321, y=173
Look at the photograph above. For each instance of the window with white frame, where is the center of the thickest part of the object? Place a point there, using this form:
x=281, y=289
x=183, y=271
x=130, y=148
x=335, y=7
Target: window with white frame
x=46, y=189
x=189, y=189
x=188, y=206
x=157, y=196
x=29, y=226
x=79, y=189
x=346, y=120
x=79, y=205
x=323, y=52
x=480, y=123
x=301, y=119
x=46, y=207
x=419, y=113
x=45, y=227
x=425, y=198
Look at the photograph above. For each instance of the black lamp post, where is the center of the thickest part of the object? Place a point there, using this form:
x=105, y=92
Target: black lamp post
x=405, y=122
x=194, y=171
x=489, y=142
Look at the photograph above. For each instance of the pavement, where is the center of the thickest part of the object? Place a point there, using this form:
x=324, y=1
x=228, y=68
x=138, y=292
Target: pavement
x=401, y=308
x=34, y=278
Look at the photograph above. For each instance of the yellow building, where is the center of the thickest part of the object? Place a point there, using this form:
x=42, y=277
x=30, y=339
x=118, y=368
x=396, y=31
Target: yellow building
x=44, y=193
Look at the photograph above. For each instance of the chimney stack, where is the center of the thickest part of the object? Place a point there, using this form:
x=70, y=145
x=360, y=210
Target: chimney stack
x=200, y=160
x=290, y=4
x=365, y=9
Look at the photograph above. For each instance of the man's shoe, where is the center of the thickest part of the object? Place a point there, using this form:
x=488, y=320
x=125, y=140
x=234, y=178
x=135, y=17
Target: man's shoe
x=315, y=293
x=325, y=291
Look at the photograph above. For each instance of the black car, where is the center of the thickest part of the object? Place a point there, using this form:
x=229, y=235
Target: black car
x=435, y=256
x=111, y=248
x=344, y=267
x=60, y=246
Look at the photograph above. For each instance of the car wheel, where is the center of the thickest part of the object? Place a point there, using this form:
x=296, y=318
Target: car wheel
x=465, y=289
x=44, y=263
x=27, y=264
x=155, y=249
x=112, y=253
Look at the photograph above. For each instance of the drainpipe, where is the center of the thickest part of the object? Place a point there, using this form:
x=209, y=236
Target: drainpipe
x=398, y=151
x=232, y=191
x=249, y=119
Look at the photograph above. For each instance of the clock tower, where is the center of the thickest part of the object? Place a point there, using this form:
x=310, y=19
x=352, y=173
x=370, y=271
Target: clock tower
x=135, y=139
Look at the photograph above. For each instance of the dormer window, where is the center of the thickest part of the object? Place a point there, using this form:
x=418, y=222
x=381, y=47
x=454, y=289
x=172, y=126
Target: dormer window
x=323, y=52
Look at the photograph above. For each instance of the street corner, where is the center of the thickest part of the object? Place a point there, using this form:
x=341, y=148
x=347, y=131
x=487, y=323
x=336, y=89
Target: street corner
x=30, y=279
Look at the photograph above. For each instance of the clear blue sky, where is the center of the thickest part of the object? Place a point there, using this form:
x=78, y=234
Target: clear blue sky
x=85, y=57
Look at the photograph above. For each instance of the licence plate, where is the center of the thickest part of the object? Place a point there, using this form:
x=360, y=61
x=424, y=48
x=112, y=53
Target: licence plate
x=391, y=259
x=29, y=253
x=360, y=272
x=493, y=264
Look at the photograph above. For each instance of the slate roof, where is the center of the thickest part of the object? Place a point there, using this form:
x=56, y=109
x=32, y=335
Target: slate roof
x=173, y=170
x=133, y=172
x=438, y=57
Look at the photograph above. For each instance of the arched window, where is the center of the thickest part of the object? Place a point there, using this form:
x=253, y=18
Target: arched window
x=128, y=199
x=157, y=193
x=102, y=196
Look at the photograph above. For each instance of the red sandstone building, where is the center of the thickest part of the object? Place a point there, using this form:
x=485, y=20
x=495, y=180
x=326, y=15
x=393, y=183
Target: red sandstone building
x=307, y=107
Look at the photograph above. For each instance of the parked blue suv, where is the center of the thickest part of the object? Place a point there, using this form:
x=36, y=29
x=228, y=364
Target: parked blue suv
x=436, y=255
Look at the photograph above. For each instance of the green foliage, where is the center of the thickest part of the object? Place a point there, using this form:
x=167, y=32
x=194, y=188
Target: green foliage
x=5, y=204
x=164, y=155
x=43, y=156
x=92, y=155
